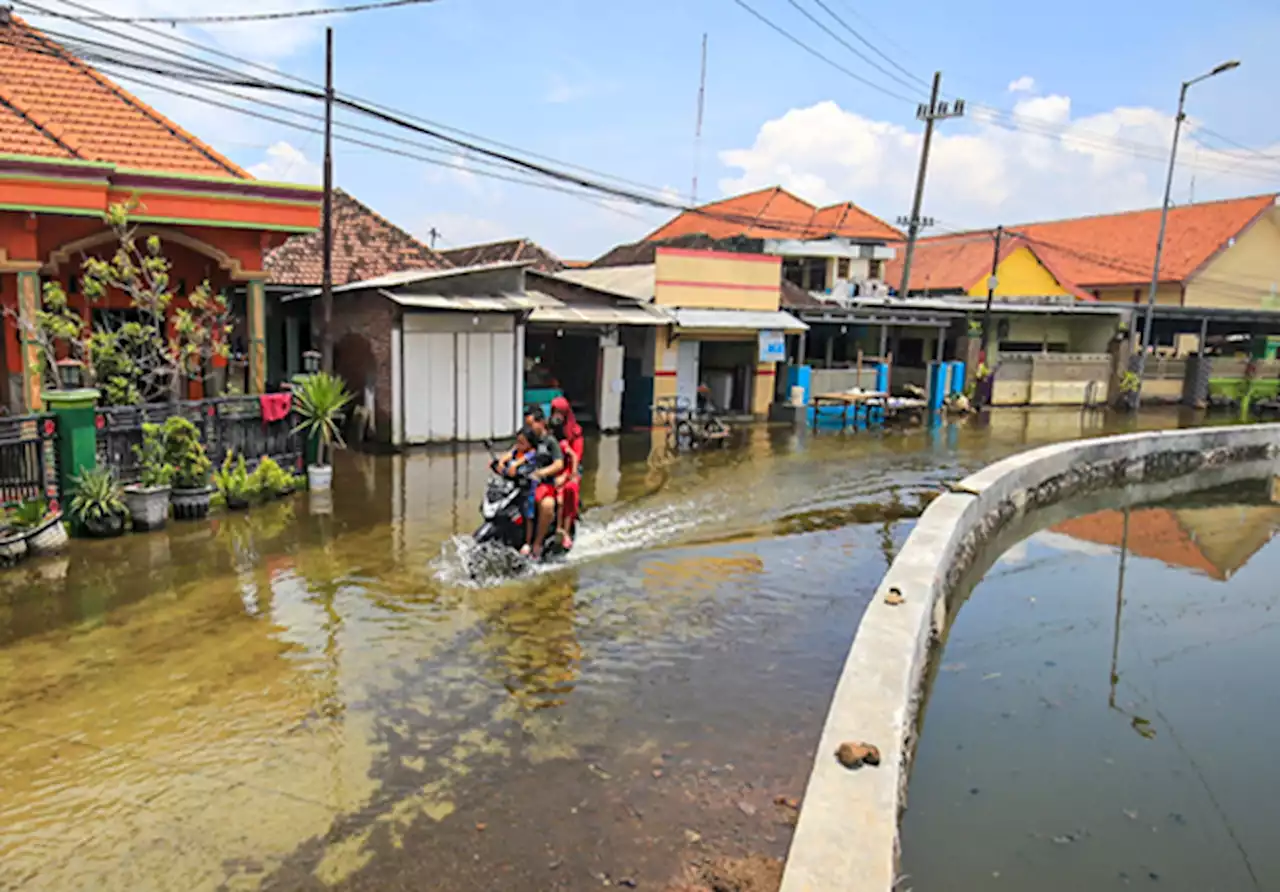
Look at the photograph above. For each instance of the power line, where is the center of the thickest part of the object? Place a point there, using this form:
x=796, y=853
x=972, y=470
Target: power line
x=871, y=46
x=816, y=54
x=242, y=17
x=177, y=38
x=487, y=156
x=896, y=78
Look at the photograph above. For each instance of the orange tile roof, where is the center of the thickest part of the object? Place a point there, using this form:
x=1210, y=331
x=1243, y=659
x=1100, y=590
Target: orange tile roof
x=365, y=245
x=775, y=213
x=1119, y=249
x=952, y=263
x=54, y=105
x=1153, y=533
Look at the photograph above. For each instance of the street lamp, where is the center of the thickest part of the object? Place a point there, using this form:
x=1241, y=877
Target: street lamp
x=1164, y=217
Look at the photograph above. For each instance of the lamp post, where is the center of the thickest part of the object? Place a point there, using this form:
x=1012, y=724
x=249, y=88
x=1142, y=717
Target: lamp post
x=1164, y=218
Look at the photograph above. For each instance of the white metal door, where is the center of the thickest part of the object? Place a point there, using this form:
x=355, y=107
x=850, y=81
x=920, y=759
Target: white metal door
x=687, y=371
x=430, y=396
x=609, y=411
x=507, y=356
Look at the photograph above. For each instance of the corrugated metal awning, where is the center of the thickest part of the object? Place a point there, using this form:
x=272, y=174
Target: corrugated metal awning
x=566, y=314
x=724, y=320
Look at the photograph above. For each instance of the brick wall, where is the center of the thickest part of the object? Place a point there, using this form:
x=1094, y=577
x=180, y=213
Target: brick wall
x=363, y=324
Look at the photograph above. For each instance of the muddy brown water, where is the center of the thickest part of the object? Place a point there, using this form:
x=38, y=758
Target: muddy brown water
x=313, y=696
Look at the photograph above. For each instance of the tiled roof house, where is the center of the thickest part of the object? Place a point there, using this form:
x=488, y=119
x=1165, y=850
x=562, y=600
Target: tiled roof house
x=365, y=245
x=72, y=143
x=776, y=213
x=1213, y=252
x=53, y=105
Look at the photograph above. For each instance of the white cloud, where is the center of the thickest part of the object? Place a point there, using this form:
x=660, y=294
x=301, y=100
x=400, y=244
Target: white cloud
x=286, y=163
x=1024, y=84
x=980, y=173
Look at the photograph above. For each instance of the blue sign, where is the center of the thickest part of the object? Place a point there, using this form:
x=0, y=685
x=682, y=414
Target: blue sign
x=773, y=346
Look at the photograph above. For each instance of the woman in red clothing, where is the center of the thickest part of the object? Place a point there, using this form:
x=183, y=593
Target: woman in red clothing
x=569, y=433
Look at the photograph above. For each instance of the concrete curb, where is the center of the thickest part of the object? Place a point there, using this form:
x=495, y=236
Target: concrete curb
x=847, y=836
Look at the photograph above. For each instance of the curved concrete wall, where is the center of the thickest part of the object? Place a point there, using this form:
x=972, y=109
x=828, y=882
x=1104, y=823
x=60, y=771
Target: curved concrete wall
x=847, y=836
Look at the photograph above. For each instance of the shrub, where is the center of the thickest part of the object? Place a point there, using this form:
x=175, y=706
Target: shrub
x=184, y=452
x=233, y=481
x=156, y=470
x=270, y=479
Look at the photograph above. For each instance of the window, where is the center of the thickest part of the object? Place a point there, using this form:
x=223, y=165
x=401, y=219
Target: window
x=877, y=269
x=793, y=272
x=842, y=268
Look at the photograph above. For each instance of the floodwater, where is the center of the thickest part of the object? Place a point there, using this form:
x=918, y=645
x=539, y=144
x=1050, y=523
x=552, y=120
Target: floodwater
x=311, y=696
x=1105, y=714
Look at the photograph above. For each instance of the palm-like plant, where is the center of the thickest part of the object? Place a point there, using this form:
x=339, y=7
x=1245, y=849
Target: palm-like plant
x=98, y=497
x=320, y=399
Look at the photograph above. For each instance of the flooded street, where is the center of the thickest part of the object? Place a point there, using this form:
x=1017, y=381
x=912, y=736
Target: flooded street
x=315, y=696
x=1104, y=716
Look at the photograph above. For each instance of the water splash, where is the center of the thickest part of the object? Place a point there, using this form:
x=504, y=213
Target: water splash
x=463, y=562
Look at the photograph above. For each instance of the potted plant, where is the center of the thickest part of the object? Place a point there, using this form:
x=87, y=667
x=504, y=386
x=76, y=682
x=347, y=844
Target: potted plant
x=184, y=452
x=13, y=542
x=234, y=482
x=319, y=399
x=41, y=527
x=98, y=506
x=148, y=499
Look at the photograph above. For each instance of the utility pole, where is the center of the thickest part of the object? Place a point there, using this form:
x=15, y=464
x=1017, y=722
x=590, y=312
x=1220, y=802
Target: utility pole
x=697, y=130
x=934, y=111
x=1136, y=398
x=326, y=280
x=991, y=293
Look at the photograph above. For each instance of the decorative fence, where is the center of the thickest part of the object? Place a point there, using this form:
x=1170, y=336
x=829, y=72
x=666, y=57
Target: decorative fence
x=227, y=425
x=28, y=458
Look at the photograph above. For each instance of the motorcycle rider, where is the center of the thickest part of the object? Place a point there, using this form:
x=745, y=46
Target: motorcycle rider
x=550, y=463
x=567, y=430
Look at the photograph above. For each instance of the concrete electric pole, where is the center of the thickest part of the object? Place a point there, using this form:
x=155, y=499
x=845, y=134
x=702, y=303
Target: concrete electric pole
x=326, y=278
x=934, y=111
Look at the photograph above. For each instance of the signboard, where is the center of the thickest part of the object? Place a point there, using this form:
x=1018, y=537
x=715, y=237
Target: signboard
x=773, y=346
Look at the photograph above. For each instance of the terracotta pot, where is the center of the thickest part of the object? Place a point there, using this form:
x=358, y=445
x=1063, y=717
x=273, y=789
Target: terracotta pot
x=148, y=506
x=191, y=504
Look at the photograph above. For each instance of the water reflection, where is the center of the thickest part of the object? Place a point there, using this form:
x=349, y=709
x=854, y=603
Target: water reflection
x=1089, y=727
x=297, y=698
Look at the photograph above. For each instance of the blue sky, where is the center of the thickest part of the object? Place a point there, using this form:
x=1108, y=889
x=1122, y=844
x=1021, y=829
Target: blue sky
x=612, y=86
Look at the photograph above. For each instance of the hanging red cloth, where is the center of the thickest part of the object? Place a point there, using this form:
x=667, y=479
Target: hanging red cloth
x=275, y=406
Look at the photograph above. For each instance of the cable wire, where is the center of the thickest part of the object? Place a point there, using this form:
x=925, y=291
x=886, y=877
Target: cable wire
x=228, y=18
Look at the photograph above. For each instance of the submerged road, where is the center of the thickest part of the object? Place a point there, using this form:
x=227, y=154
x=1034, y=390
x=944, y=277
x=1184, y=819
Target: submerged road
x=313, y=696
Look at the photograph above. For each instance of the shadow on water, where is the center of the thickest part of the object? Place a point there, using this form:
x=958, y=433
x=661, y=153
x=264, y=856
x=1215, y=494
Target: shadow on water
x=1086, y=725
x=299, y=698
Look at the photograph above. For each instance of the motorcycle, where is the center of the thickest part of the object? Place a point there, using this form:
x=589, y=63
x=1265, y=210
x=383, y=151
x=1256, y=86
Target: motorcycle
x=502, y=532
